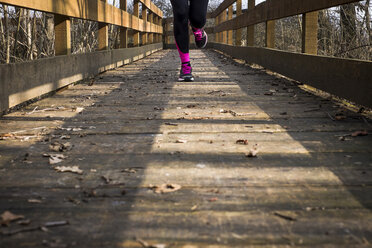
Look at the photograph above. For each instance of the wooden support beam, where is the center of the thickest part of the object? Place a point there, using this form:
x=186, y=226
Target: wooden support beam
x=103, y=35
x=103, y=43
x=238, y=33
x=250, y=28
x=166, y=29
x=123, y=31
x=62, y=29
x=216, y=22
x=224, y=33
x=144, y=18
x=151, y=34
x=270, y=34
x=136, y=38
x=310, y=33
x=230, y=32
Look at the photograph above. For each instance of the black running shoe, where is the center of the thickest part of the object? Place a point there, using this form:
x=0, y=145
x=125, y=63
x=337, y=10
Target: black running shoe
x=185, y=73
x=201, y=37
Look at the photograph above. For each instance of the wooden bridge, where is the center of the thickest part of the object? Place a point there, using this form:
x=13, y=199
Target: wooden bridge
x=129, y=157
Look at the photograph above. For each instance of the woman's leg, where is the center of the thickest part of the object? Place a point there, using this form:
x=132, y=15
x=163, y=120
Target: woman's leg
x=181, y=34
x=181, y=27
x=198, y=18
x=198, y=13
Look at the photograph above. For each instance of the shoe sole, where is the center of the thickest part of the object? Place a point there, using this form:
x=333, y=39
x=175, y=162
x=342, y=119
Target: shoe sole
x=186, y=80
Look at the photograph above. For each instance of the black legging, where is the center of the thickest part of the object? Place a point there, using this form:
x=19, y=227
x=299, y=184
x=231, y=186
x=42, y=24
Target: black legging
x=196, y=12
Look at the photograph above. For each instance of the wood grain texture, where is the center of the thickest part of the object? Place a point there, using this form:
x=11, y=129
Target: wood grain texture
x=275, y=9
x=139, y=126
x=94, y=10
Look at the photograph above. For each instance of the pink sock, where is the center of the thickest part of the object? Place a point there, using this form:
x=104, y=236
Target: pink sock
x=185, y=57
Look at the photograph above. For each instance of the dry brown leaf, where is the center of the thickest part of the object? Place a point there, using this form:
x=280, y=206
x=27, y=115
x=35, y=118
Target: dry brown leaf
x=73, y=169
x=213, y=199
x=60, y=147
x=242, y=142
x=7, y=217
x=359, y=133
x=6, y=136
x=165, y=188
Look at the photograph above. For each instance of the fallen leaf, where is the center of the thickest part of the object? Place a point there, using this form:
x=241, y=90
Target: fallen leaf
x=147, y=245
x=73, y=169
x=194, y=207
x=78, y=109
x=7, y=217
x=60, y=147
x=359, y=133
x=6, y=136
x=55, y=158
x=34, y=201
x=242, y=142
x=24, y=222
x=106, y=179
x=191, y=106
x=252, y=153
x=130, y=170
x=213, y=199
x=165, y=188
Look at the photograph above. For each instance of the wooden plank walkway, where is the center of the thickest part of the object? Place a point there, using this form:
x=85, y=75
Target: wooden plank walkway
x=136, y=127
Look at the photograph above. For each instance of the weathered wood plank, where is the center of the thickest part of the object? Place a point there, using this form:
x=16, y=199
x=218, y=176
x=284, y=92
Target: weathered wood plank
x=94, y=10
x=275, y=9
x=303, y=171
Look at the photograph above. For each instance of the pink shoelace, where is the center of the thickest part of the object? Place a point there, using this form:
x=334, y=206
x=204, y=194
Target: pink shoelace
x=186, y=68
x=198, y=34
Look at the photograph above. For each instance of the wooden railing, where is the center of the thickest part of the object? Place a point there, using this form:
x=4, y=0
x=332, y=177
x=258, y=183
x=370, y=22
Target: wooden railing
x=103, y=13
x=24, y=81
x=347, y=78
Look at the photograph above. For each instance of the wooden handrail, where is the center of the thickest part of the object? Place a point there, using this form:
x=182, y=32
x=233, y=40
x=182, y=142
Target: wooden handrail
x=272, y=10
x=93, y=10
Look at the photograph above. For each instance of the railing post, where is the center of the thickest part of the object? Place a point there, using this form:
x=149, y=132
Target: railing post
x=224, y=33
x=270, y=34
x=62, y=29
x=238, y=33
x=144, y=18
x=310, y=33
x=123, y=31
x=230, y=32
x=136, y=38
x=250, y=29
x=103, y=34
x=165, y=30
x=151, y=34
x=159, y=23
x=216, y=22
